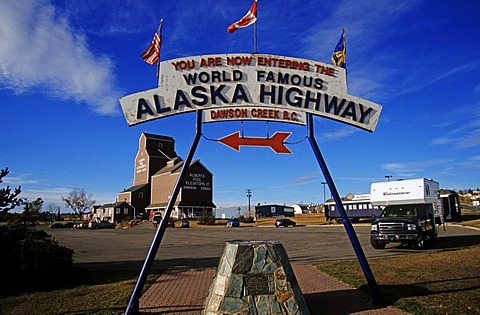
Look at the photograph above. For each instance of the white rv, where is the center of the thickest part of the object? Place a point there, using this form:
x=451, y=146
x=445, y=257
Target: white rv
x=412, y=213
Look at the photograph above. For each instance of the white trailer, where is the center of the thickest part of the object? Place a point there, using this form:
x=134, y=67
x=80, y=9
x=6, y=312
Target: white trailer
x=412, y=212
x=408, y=191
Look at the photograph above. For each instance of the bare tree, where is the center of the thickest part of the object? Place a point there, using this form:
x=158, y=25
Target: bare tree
x=79, y=202
x=53, y=209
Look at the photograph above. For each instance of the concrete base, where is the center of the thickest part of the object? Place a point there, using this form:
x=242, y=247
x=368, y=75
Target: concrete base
x=255, y=277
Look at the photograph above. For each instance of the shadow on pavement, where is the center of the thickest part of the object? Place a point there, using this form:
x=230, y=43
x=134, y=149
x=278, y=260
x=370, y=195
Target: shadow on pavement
x=208, y=262
x=449, y=242
x=339, y=302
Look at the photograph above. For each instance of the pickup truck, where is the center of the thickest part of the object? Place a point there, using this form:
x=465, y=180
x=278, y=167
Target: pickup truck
x=411, y=224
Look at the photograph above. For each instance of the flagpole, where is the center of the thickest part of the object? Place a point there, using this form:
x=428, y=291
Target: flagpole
x=158, y=62
x=255, y=37
x=345, y=43
x=158, y=70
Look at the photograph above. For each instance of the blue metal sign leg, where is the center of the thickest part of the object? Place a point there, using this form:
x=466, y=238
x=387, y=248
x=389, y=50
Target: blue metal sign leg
x=377, y=298
x=133, y=304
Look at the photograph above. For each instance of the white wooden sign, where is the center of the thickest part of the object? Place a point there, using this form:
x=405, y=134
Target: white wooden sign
x=251, y=87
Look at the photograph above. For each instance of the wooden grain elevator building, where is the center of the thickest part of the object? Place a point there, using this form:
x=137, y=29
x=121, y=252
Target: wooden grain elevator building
x=157, y=167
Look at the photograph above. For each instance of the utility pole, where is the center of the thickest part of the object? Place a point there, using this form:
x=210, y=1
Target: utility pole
x=249, y=195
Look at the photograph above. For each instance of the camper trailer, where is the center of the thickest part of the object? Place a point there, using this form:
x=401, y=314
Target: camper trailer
x=412, y=215
x=356, y=207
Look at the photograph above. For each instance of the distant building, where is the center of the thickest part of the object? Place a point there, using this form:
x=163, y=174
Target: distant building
x=114, y=213
x=274, y=210
x=157, y=167
x=302, y=208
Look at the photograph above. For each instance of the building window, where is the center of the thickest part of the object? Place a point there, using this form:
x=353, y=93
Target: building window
x=117, y=210
x=140, y=195
x=125, y=211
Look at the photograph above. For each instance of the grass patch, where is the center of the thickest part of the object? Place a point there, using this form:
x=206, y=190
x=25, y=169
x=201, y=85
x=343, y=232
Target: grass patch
x=97, y=292
x=446, y=282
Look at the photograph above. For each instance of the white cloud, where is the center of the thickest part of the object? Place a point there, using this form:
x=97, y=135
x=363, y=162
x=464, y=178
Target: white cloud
x=305, y=178
x=337, y=134
x=463, y=130
x=43, y=52
x=412, y=169
x=16, y=180
x=472, y=161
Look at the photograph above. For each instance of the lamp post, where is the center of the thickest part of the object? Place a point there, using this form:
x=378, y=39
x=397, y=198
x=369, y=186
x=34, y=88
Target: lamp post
x=324, y=183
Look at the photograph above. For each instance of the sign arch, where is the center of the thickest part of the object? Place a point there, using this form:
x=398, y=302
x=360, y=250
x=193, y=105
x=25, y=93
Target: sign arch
x=230, y=87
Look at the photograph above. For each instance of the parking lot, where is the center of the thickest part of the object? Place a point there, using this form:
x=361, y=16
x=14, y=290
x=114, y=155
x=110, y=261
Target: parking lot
x=202, y=247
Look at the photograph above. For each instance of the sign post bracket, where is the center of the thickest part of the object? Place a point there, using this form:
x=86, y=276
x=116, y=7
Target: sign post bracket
x=377, y=298
x=133, y=304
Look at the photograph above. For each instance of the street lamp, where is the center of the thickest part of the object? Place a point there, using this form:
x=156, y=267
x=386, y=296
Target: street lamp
x=324, y=183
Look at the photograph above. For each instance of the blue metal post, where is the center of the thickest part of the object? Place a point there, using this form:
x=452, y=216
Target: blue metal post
x=377, y=298
x=133, y=304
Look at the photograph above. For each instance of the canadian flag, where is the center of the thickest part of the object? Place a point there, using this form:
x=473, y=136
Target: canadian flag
x=248, y=19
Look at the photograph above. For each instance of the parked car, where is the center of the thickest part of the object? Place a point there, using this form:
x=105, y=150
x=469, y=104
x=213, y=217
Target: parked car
x=82, y=225
x=62, y=225
x=234, y=222
x=184, y=223
x=158, y=218
x=57, y=225
x=284, y=222
x=102, y=225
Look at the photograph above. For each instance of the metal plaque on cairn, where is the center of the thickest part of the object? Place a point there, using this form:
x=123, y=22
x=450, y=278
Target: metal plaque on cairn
x=255, y=277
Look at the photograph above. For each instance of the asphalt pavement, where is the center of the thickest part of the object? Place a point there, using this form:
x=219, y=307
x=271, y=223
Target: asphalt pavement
x=202, y=247
x=190, y=257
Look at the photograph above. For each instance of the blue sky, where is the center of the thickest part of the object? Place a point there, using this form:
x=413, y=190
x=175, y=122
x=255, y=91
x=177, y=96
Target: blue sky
x=64, y=64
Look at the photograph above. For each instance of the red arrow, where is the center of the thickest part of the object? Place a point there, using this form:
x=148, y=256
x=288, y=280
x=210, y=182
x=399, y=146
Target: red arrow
x=234, y=141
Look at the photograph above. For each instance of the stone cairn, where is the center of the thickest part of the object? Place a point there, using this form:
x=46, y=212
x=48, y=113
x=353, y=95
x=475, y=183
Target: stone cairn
x=254, y=277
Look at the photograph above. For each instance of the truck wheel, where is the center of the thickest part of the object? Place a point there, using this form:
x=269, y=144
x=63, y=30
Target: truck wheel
x=420, y=242
x=378, y=244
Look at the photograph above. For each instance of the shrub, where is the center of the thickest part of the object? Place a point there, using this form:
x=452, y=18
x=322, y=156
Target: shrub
x=206, y=219
x=30, y=257
x=246, y=219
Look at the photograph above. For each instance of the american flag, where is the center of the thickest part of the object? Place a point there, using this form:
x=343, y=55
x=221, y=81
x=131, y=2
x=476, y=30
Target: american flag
x=246, y=20
x=152, y=54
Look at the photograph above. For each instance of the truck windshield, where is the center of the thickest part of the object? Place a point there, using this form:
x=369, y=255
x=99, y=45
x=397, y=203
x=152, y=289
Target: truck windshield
x=401, y=211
